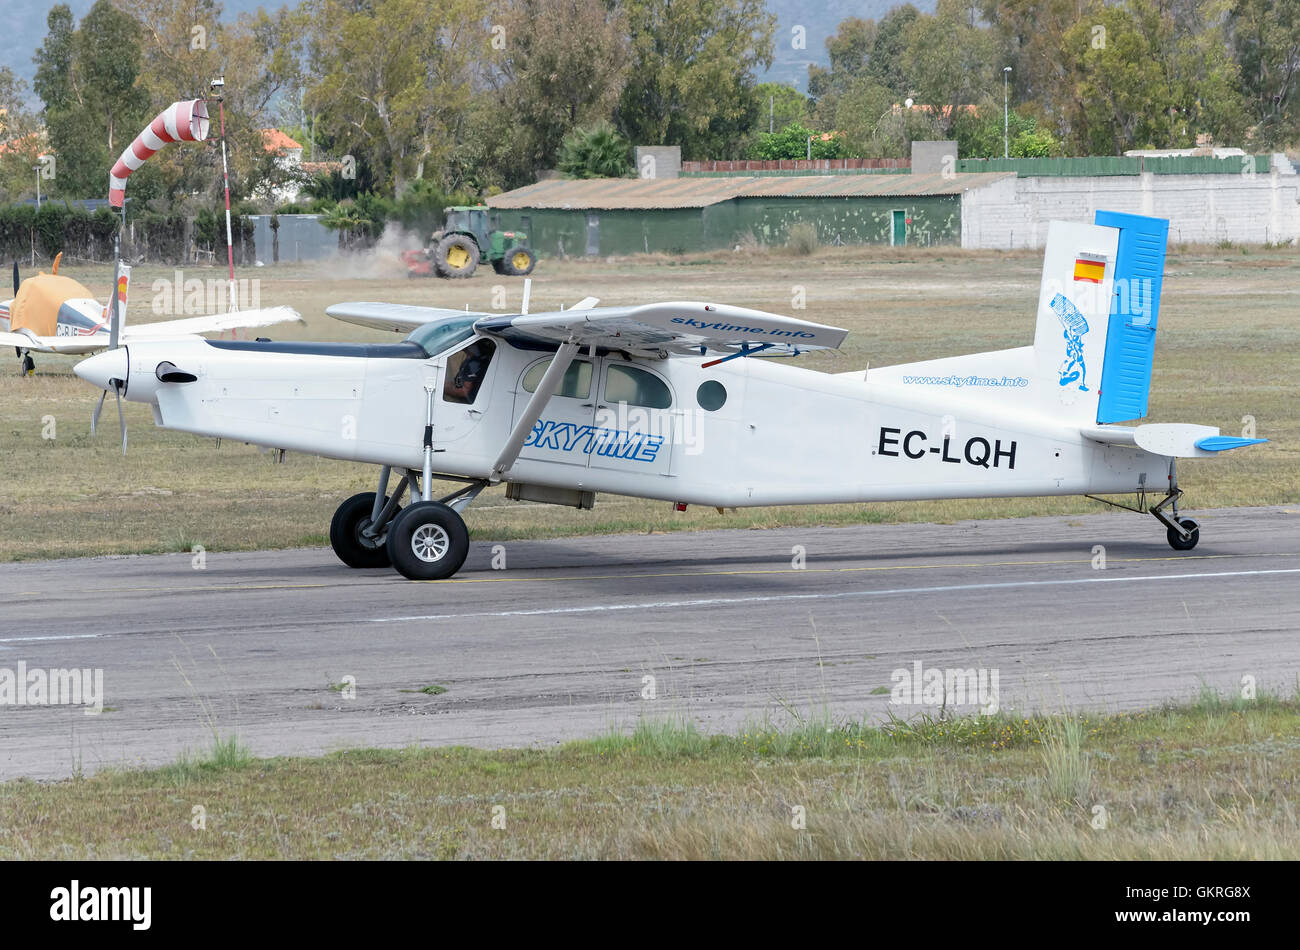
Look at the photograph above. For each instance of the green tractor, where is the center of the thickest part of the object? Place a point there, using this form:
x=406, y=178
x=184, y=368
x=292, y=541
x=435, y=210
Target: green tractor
x=464, y=241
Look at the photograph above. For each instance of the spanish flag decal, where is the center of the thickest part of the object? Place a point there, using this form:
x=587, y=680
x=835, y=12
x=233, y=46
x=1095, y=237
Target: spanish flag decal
x=1089, y=269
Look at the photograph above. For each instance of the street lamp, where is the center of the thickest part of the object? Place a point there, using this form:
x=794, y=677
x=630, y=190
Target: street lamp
x=37, y=168
x=1006, y=113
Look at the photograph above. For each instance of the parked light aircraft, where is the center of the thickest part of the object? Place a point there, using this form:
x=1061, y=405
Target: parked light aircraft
x=52, y=313
x=659, y=401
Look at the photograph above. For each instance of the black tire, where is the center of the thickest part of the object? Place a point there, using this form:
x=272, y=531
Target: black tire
x=512, y=267
x=428, y=541
x=29, y=365
x=1177, y=543
x=463, y=256
x=352, y=548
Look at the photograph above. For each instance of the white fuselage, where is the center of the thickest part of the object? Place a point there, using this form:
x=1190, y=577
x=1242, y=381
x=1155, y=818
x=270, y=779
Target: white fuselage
x=783, y=434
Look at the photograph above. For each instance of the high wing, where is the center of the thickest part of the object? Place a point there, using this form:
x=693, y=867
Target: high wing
x=72, y=345
x=399, y=318
x=237, y=320
x=658, y=330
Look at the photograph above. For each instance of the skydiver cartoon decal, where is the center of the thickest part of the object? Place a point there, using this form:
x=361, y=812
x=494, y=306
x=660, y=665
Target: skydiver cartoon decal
x=1076, y=325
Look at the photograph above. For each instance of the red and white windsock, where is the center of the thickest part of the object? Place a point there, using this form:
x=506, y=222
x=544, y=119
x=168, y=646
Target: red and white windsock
x=179, y=122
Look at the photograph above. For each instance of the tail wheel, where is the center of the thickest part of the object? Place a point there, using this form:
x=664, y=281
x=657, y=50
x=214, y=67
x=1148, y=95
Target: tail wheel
x=456, y=256
x=353, y=547
x=519, y=261
x=1178, y=543
x=428, y=541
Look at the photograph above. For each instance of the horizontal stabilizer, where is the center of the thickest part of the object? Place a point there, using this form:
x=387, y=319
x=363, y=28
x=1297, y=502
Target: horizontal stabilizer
x=1222, y=443
x=1171, y=439
x=70, y=345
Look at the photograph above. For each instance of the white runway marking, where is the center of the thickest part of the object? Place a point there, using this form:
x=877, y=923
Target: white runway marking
x=772, y=598
x=70, y=636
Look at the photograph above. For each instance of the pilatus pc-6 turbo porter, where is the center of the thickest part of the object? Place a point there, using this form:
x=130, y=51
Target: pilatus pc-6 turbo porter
x=659, y=401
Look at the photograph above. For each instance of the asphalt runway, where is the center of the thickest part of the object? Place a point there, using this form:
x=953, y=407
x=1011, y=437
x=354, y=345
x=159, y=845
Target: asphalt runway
x=558, y=645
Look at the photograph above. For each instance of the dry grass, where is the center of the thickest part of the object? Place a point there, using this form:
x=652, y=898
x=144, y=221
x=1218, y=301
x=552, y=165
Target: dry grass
x=1212, y=780
x=1229, y=346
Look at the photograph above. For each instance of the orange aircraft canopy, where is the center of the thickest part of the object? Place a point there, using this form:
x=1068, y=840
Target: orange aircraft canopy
x=36, y=307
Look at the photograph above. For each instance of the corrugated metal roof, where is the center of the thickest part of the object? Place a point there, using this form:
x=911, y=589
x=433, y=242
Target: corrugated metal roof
x=639, y=193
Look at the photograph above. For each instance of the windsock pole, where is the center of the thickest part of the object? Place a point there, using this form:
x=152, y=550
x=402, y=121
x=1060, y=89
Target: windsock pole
x=225, y=175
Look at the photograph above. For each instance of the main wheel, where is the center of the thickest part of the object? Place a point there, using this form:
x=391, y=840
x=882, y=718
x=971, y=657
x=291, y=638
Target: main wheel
x=1175, y=540
x=456, y=256
x=519, y=261
x=428, y=541
x=29, y=365
x=354, y=548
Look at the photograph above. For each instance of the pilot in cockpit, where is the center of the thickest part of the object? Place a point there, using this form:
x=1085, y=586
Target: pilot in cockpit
x=466, y=370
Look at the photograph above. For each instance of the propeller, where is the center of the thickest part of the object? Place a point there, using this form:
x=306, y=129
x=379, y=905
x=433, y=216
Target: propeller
x=16, y=281
x=118, y=386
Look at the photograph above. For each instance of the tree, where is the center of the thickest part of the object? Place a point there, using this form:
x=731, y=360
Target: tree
x=595, y=152
x=979, y=135
x=563, y=65
x=391, y=80
x=21, y=144
x=949, y=58
x=1265, y=36
x=86, y=79
x=1150, y=78
x=780, y=105
x=798, y=141
x=850, y=52
x=187, y=45
x=691, y=79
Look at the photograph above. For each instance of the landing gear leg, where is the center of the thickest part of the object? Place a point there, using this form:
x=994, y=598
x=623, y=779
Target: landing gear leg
x=1183, y=533
x=359, y=531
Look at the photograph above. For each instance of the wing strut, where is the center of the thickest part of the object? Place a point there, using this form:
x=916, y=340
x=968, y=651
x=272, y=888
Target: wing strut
x=547, y=388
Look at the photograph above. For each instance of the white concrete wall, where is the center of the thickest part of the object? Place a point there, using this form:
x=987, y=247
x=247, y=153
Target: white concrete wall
x=1245, y=209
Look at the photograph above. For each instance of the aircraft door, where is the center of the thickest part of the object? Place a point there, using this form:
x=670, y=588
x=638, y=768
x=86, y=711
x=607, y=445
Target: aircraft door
x=464, y=388
x=564, y=431
x=634, y=420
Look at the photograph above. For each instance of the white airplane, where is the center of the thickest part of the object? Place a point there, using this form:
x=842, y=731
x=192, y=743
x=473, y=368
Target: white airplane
x=658, y=401
x=52, y=313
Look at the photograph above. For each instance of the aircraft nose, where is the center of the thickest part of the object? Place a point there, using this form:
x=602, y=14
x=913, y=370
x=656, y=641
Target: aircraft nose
x=100, y=368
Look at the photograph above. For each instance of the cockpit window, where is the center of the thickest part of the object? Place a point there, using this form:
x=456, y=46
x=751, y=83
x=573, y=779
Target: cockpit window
x=466, y=369
x=441, y=335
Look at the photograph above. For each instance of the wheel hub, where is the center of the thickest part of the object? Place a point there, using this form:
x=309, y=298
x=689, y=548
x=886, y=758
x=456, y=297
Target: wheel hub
x=368, y=537
x=429, y=543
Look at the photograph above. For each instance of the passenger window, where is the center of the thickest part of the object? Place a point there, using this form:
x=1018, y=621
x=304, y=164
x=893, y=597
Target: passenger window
x=466, y=370
x=636, y=387
x=576, y=383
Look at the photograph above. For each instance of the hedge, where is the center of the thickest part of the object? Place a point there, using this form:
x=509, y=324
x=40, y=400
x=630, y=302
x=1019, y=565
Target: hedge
x=88, y=236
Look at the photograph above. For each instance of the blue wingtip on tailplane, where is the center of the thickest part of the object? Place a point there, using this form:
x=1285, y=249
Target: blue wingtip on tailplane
x=1134, y=310
x=1222, y=443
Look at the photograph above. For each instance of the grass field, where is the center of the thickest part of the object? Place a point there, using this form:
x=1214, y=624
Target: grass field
x=1213, y=779
x=1229, y=347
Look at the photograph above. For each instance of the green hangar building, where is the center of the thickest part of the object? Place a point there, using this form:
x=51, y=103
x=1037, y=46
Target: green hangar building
x=603, y=216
